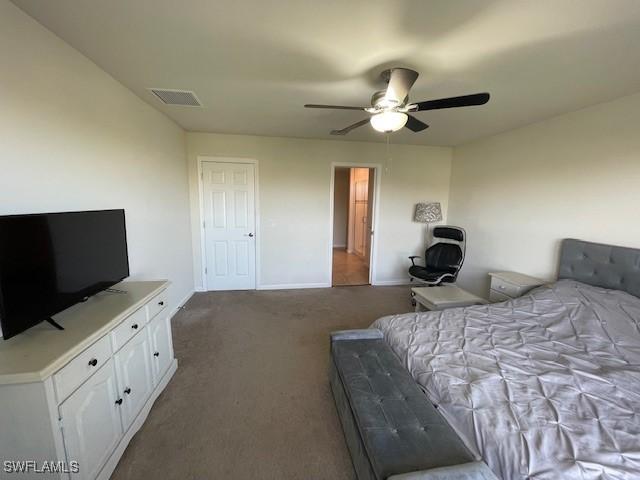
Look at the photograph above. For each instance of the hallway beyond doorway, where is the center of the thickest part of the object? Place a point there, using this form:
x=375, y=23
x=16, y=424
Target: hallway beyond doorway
x=354, y=199
x=348, y=269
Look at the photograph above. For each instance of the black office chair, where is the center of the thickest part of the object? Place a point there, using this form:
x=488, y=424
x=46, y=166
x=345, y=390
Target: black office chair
x=443, y=259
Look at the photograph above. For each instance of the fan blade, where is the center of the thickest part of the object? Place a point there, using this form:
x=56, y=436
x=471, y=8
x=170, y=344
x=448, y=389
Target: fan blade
x=453, y=102
x=400, y=82
x=335, y=107
x=346, y=130
x=415, y=125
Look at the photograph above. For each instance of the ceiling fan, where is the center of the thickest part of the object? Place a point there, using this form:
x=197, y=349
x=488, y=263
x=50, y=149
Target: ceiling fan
x=390, y=108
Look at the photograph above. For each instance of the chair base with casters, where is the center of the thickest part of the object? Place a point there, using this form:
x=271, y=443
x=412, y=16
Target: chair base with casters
x=443, y=259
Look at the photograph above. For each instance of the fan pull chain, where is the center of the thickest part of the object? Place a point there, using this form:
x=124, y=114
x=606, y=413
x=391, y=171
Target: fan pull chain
x=388, y=159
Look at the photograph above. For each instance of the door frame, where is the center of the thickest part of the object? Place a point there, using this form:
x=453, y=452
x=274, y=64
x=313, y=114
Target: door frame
x=377, y=168
x=256, y=208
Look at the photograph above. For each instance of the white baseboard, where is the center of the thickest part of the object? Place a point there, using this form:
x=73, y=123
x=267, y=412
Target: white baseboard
x=339, y=246
x=186, y=298
x=390, y=283
x=293, y=286
x=199, y=289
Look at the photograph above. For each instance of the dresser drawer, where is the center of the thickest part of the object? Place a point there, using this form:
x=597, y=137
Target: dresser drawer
x=506, y=288
x=495, y=296
x=156, y=305
x=127, y=329
x=74, y=373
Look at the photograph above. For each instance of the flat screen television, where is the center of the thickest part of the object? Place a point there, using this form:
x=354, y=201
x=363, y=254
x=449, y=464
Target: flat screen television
x=51, y=261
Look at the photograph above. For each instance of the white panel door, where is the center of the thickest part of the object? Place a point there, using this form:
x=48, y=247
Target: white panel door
x=361, y=210
x=229, y=225
x=161, y=346
x=91, y=425
x=133, y=366
x=361, y=228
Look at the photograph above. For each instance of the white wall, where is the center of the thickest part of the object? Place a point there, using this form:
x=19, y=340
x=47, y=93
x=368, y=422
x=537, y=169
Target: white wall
x=340, y=207
x=294, y=199
x=519, y=193
x=72, y=138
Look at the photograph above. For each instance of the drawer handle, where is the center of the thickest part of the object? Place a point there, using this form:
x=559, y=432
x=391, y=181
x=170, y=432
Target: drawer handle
x=161, y=303
x=119, y=401
x=134, y=326
x=156, y=354
x=93, y=362
x=127, y=390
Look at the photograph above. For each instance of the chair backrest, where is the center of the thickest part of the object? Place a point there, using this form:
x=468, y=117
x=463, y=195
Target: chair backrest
x=447, y=253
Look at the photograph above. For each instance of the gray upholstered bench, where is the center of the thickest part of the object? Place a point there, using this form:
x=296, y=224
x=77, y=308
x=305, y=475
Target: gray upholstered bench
x=391, y=428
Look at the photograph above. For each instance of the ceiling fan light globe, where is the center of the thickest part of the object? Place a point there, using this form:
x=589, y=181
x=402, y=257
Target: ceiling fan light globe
x=386, y=122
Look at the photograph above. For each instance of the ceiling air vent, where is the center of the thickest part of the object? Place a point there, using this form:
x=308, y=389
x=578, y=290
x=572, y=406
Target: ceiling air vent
x=183, y=98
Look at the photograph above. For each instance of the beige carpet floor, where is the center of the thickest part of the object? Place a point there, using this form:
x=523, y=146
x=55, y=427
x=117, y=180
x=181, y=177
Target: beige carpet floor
x=251, y=398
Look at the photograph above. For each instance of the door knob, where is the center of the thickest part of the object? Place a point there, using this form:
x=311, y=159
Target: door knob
x=248, y=234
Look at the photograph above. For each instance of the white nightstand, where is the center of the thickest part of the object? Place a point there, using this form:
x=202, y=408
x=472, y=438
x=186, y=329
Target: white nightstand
x=508, y=285
x=439, y=298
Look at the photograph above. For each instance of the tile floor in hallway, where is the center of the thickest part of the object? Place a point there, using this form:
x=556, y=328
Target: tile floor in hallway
x=349, y=269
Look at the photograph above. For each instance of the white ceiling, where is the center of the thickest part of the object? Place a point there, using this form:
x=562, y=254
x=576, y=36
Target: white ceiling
x=254, y=63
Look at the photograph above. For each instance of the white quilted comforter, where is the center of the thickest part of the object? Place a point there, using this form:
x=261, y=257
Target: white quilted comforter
x=546, y=386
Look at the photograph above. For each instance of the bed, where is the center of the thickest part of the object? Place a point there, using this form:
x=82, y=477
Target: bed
x=545, y=386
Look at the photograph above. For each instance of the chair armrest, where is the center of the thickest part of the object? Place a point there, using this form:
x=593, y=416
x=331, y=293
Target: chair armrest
x=413, y=258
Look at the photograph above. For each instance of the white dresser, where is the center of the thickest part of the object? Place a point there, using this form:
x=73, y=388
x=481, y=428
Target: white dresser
x=508, y=285
x=78, y=396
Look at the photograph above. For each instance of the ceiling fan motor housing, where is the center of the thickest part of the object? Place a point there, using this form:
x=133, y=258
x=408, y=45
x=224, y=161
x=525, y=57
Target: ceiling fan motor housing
x=378, y=99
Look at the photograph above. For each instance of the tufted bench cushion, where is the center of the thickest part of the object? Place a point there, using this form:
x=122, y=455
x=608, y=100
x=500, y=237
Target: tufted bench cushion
x=391, y=428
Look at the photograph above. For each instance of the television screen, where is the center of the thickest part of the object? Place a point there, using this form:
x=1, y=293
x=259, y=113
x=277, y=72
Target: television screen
x=50, y=261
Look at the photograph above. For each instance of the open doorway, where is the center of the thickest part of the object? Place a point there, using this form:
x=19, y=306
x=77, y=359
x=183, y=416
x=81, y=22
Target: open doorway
x=353, y=203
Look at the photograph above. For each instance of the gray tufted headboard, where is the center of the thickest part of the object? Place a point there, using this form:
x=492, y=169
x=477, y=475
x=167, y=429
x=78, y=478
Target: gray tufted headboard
x=601, y=265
